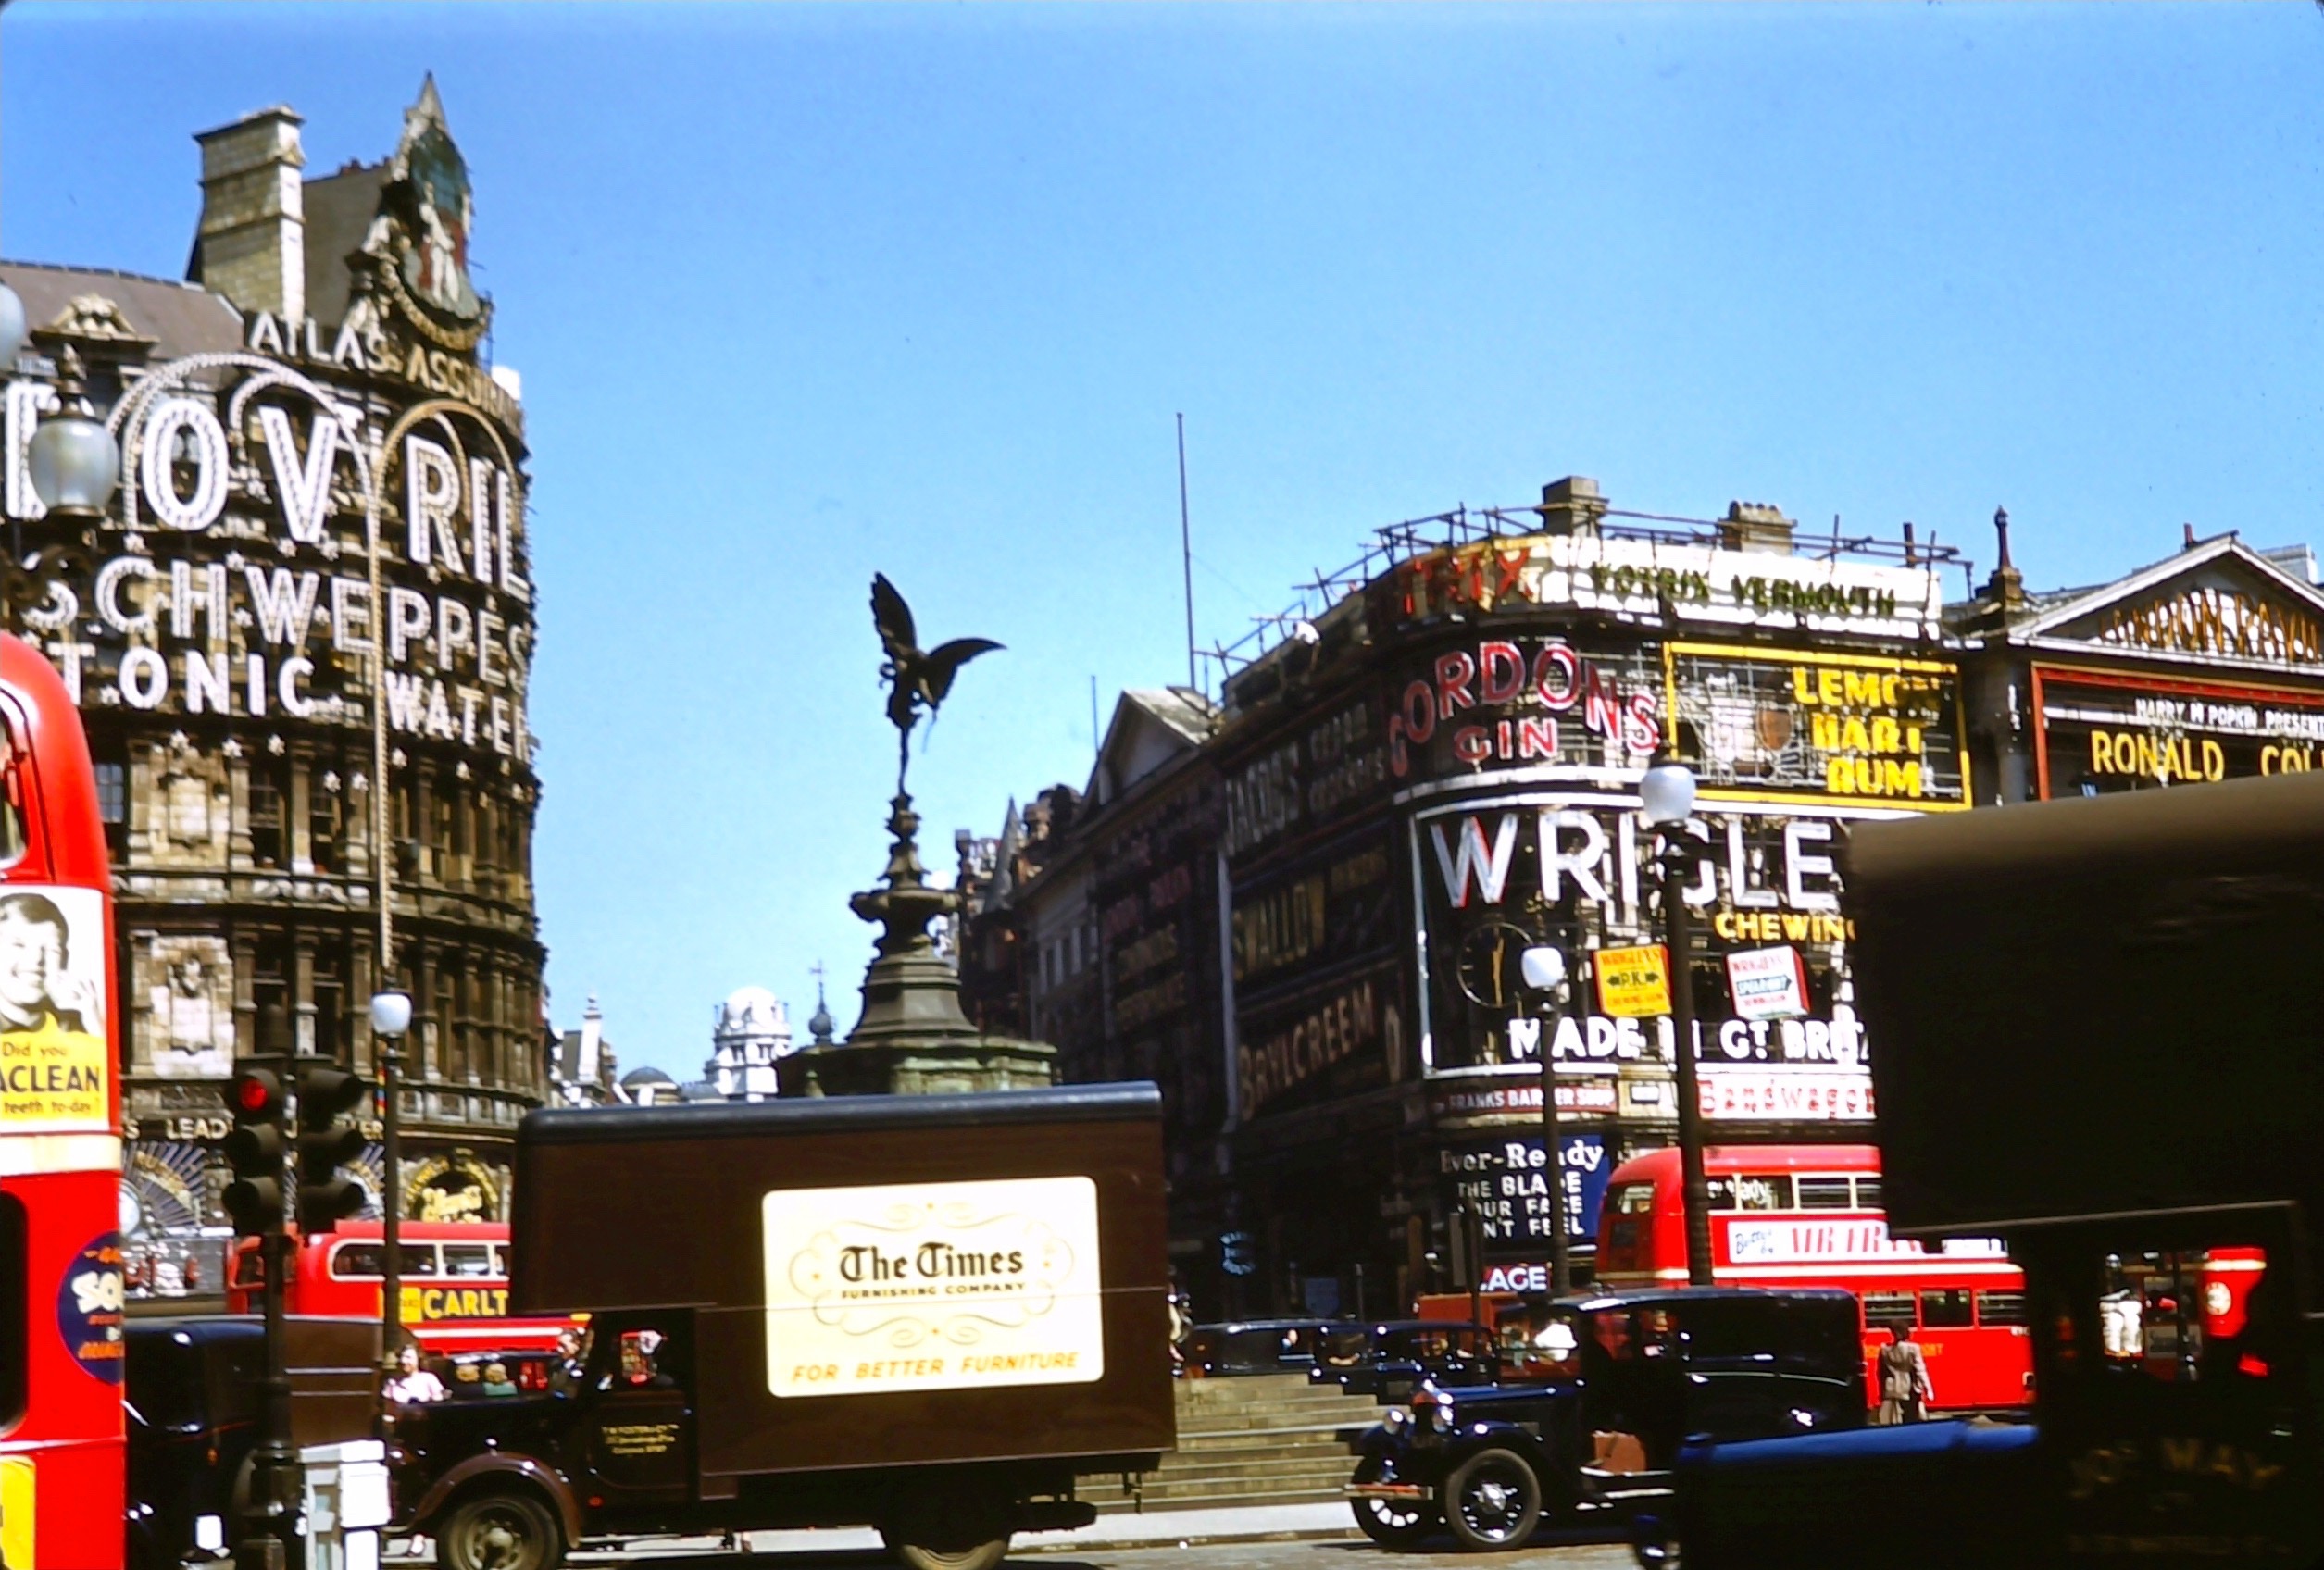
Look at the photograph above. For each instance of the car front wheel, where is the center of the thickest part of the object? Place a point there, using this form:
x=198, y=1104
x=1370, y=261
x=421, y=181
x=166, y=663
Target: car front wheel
x=1392, y=1523
x=1492, y=1500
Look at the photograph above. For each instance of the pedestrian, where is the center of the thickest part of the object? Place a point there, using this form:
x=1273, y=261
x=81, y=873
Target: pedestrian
x=496, y=1380
x=1904, y=1389
x=412, y=1385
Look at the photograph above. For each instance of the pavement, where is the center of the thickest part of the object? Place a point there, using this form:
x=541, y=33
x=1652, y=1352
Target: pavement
x=1153, y=1528
x=1296, y=1530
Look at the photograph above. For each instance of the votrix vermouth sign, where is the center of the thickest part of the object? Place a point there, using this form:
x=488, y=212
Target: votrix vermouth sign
x=932, y=1286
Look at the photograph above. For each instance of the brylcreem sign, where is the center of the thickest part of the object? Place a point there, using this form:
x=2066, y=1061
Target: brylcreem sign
x=932, y=1286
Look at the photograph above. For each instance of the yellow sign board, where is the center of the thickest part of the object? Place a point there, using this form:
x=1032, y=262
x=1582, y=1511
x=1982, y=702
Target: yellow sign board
x=1633, y=983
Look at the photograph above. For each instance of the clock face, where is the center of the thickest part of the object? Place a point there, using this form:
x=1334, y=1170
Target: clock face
x=1489, y=964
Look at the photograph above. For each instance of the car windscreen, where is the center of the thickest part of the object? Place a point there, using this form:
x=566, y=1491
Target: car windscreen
x=1539, y=1344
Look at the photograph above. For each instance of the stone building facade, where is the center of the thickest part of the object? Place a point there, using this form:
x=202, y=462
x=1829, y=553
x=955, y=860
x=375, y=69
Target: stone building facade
x=320, y=467
x=1307, y=906
x=1304, y=914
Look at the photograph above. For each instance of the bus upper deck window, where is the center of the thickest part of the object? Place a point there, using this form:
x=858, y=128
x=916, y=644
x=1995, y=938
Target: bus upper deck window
x=1824, y=1193
x=1772, y=1192
x=467, y=1259
x=14, y=1344
x=15, y=766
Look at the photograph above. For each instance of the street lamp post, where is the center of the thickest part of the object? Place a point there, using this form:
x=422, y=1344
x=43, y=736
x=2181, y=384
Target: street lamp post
x=1544, y=971
x=73, y=462
x=391, y=1017
x=1668, y=796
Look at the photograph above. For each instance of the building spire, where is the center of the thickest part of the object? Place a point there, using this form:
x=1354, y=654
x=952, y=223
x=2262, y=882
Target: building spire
x=2006, y=588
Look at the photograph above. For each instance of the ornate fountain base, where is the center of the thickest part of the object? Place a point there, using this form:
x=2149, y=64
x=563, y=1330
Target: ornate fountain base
x=912, y=1040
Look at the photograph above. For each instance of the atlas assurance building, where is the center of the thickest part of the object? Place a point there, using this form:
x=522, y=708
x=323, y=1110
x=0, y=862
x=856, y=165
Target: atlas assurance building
x=317, y=462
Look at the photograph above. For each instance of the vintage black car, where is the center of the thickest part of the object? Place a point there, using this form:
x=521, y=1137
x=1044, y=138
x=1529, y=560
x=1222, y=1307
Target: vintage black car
x=191, y=1402
x=1258, y=1346
x=1596, y=1397
x=1389, y=1358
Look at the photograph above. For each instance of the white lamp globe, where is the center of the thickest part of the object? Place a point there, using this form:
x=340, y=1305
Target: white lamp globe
x=1667, y=793
x=12, y=328
x=1543, y=968
x=74, y=464
x=390, y=1014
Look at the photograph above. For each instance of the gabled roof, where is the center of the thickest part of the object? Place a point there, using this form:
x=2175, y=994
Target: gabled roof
x=1150, y=725
x=2222, y=562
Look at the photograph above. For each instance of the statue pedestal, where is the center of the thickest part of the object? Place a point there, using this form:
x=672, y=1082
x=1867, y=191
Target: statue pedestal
x=913, y=1040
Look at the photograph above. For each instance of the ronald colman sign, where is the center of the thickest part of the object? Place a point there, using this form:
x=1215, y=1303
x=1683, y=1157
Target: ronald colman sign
x=932, y=1286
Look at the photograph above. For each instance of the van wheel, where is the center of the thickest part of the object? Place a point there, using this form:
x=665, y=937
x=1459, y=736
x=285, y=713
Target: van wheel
x=499, y=1531
x=1492, y=1500
x=951, y=1555
x=1400, y=1525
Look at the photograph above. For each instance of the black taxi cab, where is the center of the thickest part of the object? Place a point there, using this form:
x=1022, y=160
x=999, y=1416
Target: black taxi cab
x=1595, y=1398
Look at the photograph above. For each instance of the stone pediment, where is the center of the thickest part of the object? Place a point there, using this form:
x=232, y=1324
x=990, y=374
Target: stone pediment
x=2220, y=601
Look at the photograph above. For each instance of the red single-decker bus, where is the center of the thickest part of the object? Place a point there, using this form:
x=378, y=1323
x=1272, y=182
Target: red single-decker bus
x=61, y=1346
x=1809, y=1215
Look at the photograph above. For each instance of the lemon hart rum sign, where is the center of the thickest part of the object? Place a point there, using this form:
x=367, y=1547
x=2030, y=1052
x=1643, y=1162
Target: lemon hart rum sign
x=932, y=1286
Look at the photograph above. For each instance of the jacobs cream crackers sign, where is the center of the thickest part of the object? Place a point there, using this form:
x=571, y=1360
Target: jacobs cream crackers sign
x=932, y=1286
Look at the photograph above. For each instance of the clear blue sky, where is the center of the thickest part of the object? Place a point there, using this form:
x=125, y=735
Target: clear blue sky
x=801, y=294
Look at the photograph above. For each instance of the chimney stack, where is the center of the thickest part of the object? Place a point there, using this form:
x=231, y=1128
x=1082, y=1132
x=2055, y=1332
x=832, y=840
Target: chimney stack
x=1571, y=506
x=252, y=243
x=1755, y=526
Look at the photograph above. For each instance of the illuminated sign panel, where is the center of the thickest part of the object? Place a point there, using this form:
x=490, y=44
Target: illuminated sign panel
x=2098, y=732
x=1783, y=723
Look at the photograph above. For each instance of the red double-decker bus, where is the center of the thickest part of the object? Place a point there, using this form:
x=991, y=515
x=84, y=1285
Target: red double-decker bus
x=61, y=1348
x=1809, y=1215
x=452, y=1281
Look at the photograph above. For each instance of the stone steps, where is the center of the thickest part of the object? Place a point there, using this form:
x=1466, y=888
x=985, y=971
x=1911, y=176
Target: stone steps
x=1265, y=1440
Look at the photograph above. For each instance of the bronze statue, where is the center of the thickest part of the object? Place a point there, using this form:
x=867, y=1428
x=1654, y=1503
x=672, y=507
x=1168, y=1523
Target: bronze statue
x=915, y=680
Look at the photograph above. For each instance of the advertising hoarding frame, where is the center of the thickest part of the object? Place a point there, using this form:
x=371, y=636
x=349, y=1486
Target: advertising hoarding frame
x=1672, y=650
x=2041, y=673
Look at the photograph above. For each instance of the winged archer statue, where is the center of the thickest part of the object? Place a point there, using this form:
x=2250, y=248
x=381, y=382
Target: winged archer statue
x=917, y=680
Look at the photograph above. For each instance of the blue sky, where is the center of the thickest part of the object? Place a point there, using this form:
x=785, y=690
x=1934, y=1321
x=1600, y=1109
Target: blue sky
x=801, y=294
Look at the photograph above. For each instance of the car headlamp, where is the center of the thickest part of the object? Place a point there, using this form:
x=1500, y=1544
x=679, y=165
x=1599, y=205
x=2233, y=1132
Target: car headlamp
x=1441, y=1418
x=1395, y=1420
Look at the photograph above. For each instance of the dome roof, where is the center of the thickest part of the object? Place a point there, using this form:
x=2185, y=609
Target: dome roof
x=743, y=1000
x=649, y=1075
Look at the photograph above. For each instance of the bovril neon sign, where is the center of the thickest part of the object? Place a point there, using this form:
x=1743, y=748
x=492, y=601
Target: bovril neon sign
x=279, y=475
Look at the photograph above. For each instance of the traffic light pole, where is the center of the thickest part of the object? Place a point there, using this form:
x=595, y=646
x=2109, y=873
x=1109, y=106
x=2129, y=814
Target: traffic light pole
x=270, y=1539
x=257, y=1199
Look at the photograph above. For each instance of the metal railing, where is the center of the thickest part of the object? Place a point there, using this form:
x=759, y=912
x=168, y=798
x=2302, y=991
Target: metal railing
x=1395, y=543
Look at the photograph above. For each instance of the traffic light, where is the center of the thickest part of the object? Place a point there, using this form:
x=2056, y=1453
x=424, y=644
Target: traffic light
x=325, y=1144
x=254, y=1148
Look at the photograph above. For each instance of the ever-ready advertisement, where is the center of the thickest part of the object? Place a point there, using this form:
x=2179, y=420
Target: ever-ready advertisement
x=932, y=1286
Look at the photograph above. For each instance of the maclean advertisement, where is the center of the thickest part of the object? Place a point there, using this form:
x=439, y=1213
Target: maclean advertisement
x=55, y=1064
x=932, y=1286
